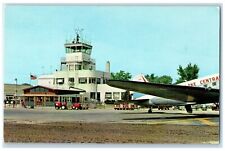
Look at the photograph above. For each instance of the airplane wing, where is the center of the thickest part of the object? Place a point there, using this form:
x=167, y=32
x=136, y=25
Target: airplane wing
x=176, y=92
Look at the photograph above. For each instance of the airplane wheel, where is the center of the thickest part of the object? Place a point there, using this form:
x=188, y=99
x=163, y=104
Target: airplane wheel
x=150, y=111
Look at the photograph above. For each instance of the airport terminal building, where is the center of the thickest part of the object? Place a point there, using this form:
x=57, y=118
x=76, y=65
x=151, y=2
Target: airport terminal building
x=78, y=71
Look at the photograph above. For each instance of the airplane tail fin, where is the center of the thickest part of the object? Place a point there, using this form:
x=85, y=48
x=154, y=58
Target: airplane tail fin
x=140, y=78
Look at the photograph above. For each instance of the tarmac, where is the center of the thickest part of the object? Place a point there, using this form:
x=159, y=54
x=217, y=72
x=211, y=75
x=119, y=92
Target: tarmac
x=107, y=125
x=109, y=115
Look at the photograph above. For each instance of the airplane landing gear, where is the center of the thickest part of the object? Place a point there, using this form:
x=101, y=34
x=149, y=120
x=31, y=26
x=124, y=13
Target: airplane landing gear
x=188, y=108
x=150, y=110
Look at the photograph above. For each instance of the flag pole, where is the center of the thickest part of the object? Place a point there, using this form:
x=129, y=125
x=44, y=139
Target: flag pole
x=30, y=78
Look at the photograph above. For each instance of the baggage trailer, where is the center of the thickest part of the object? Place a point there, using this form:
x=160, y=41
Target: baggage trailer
x=60, y=105
x=164, y=107
x=125, y=106
x=79, y=106
x=74, y=106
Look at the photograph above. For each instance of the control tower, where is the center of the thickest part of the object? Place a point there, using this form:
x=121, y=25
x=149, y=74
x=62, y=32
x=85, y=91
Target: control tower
x=78, y=70
x=78, y=56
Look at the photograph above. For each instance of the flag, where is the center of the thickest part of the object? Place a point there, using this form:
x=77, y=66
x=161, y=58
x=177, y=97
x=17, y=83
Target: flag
x=33, y=77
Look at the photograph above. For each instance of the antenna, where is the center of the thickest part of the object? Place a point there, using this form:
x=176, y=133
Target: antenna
x=78, y=32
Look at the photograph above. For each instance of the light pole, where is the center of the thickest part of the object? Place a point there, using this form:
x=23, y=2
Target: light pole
x=16, y=87
x=14, y=101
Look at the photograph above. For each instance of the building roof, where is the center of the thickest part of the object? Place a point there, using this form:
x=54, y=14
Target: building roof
x=58, y=90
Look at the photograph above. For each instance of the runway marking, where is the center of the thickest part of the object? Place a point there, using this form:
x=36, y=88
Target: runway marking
x=207, y=121
x=179, y=122
x=203, y=121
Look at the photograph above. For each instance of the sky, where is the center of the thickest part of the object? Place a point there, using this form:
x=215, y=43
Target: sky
x=136, y=39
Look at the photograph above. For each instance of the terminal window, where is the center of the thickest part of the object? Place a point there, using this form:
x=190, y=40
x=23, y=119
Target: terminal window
x=116, y=95
x=39, y=89
x=108, y=95
x=214, y=84
x=59, y=80
x=82, y=80
x=92, y=95
x=104, y=81
x=98, y=81
x=92, y=80
x=71, y=80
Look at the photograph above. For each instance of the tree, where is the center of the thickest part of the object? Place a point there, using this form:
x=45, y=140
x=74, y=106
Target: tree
x=26, y=84
x=188, y=73
x=151, y=77
x=156, y=79
x=121, y=75
x=165, y=79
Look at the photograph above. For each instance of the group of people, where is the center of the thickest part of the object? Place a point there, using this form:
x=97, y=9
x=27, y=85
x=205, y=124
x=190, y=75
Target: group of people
x=14, y=103
x=10, y=102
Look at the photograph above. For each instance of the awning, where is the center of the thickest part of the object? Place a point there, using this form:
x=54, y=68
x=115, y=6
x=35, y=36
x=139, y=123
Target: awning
x=70, y=95
x=39, y=95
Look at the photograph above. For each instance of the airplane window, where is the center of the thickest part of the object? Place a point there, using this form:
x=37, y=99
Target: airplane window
x=205, y=85
x=214, y=84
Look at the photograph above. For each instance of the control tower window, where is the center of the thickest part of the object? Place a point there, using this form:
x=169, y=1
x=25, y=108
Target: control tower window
x=88, y=51
x=83, y=50
x=69, y=50
x=71, y=67
x=77, y=67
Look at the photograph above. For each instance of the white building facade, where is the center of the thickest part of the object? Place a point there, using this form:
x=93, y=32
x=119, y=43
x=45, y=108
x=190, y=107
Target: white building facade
x=78, y=70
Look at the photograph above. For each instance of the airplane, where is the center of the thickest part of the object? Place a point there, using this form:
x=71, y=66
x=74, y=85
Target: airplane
x=198, y=91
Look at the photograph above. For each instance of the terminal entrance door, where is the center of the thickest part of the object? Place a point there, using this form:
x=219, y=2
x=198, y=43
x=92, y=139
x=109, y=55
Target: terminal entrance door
x=98, y=96
x=75, y=99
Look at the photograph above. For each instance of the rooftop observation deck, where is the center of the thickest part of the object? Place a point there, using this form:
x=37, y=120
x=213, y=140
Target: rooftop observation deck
x=77, y=45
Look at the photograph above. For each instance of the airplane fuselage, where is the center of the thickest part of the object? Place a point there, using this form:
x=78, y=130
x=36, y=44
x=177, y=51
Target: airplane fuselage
x=208, y=82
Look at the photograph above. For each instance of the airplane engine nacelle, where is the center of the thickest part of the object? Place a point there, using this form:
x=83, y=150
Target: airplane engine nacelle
x=164, y=101
x=150, y=103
